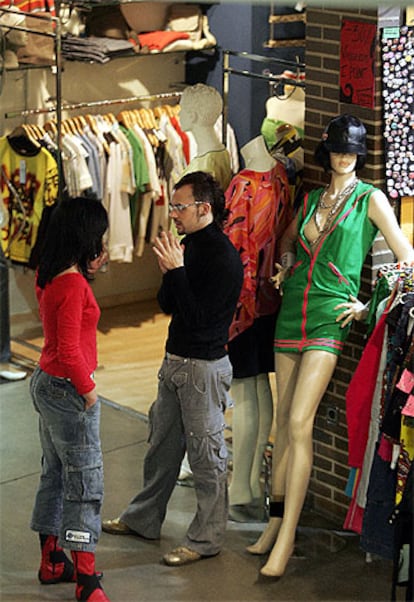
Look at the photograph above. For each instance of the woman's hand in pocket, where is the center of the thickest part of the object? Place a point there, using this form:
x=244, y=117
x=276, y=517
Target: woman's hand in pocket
x=90, y=398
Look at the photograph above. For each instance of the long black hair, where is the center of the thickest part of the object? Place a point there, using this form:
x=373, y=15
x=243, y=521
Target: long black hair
x=73, y=237
x=207, y=190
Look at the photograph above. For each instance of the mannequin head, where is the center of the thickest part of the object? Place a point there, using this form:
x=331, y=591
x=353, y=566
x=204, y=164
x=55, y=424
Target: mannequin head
x=344, y=134
x=200, y=105
x=14, y=38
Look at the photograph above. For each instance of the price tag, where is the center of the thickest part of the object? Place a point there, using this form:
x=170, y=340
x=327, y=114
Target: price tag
x=22, y=171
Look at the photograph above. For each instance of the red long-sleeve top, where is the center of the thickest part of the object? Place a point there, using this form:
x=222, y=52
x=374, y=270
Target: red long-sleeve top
x=69, y=314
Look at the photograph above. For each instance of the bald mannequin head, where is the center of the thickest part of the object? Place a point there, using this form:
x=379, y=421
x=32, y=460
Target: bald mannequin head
x=200, y=105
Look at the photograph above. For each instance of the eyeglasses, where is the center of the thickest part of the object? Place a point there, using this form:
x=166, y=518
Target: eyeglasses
x=180, y=206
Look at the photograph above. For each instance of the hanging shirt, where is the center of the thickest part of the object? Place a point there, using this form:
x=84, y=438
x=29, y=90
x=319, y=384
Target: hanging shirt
x=28, y=183
x=116, y=202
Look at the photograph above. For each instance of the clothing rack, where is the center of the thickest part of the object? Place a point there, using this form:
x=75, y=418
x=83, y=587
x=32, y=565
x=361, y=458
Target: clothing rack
x=5, y=350
x=265, y=75
x=57, y=37
x=96, y=103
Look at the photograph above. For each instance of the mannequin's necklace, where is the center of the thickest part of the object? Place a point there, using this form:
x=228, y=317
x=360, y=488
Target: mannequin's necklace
x=323, y=224
x=339, y=197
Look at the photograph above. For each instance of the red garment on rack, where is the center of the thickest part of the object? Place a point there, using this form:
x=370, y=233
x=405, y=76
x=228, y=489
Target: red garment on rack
x=184, y=138
x=360, y=393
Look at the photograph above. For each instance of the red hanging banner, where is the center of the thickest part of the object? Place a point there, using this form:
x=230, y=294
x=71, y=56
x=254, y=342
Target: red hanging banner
x=357, y=63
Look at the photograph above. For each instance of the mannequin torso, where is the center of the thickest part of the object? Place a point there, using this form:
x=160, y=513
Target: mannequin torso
x=200, y=107
x=256, y=156
x=289, y=108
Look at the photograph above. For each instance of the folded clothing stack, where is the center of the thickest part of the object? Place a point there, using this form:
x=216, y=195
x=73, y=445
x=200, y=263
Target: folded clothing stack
x=94, y=49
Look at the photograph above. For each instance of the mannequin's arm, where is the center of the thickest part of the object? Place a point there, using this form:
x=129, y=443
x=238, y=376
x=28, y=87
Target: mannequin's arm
x=287, y=254
x=383, y=216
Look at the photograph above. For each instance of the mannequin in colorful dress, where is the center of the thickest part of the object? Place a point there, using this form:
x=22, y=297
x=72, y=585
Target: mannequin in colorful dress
x=322, y=252
x=259, y=203
x=200, y=107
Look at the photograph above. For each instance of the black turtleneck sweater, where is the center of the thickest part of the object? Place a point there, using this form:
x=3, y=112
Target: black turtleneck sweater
x=201, y=296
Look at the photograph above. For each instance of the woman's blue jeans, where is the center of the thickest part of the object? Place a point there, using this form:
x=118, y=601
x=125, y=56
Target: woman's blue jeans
x=69, y=498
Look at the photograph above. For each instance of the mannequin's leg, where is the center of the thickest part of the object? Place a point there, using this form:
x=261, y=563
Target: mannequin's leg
x=244, y=436
x=286, y=368
x=315, y=372
x=265, y=404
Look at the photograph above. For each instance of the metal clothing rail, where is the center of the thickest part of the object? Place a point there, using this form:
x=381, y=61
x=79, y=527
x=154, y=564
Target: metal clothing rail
x=5, y=349
x=95, y=103
x=269, y=77
x=56, y=35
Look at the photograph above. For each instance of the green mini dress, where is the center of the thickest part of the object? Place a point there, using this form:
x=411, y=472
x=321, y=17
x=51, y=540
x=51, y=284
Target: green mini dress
x=324, y=276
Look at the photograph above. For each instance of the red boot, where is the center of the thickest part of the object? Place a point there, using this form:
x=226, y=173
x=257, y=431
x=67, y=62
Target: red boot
x=88, y=588
x=55, y=566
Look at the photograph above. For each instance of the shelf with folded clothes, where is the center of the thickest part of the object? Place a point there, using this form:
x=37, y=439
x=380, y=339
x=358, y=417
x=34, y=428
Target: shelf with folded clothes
x=101, y=50
x=100, y=54
x=149, y=27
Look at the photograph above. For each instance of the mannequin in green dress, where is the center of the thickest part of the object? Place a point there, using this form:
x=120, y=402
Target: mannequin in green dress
x=305, y=366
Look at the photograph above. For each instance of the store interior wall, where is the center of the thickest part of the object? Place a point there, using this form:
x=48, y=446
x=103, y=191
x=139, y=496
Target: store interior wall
x=238, y=27
x=84, y=82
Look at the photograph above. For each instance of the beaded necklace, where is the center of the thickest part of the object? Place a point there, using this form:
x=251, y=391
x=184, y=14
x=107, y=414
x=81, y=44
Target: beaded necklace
x=334, y=208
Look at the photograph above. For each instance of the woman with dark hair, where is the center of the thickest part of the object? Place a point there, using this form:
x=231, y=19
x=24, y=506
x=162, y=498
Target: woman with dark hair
x=68, y=501
x=322, y=252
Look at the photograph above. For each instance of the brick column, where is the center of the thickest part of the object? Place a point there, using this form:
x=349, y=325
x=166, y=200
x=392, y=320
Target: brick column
x=330, y=473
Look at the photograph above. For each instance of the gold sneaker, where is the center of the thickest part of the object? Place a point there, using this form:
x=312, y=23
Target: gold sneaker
x=116, y=527
x=180, y=556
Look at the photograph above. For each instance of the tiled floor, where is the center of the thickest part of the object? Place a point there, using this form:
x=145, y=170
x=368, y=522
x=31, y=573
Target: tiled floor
x=328, y=564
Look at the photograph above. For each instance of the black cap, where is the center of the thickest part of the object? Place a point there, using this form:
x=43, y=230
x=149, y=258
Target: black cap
x=345, y=134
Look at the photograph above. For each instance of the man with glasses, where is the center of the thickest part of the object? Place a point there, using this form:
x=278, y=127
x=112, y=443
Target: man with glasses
x=202, y=279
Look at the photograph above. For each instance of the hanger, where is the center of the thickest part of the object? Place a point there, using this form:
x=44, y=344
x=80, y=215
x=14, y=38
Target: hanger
x=38, y=131
x=80, y=122
x=110, y=118
x=125, y=117
x=22, y=141
x=50, y=126
x=150, y=125
x=91, y=121
x=172, y=110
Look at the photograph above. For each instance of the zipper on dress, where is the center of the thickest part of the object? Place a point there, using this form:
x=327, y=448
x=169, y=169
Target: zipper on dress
x=341, y=277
